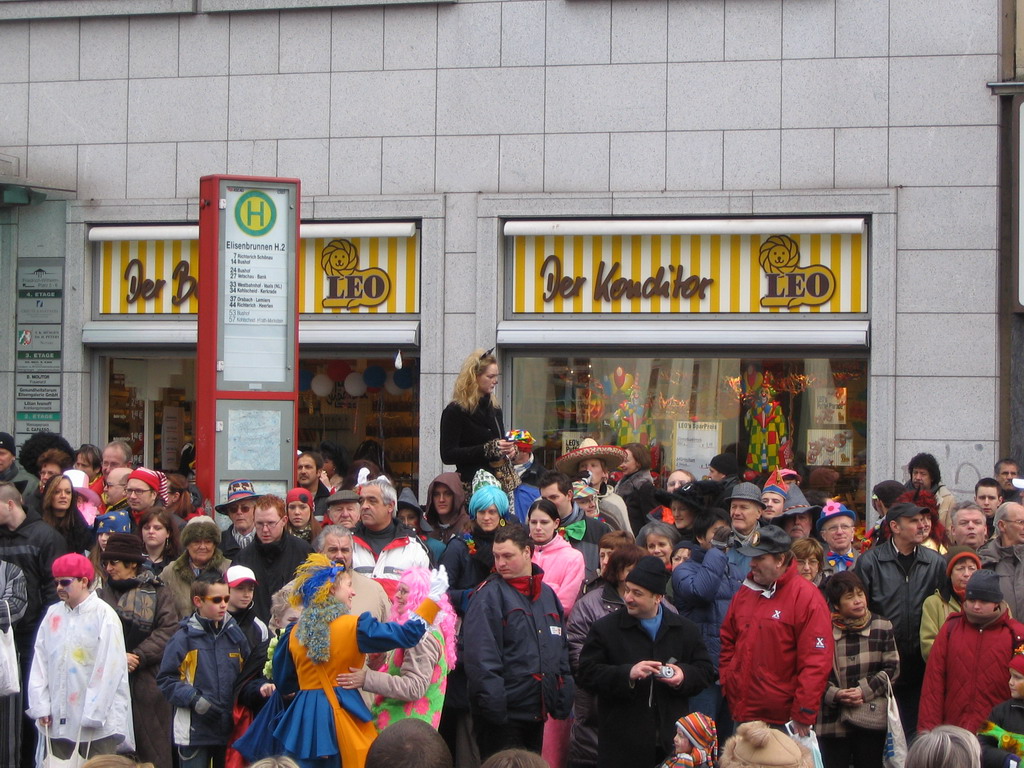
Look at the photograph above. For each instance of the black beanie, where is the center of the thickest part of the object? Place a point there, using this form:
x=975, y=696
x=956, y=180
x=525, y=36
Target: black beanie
x=725, y=463
x=984, y=585
x=649, y=573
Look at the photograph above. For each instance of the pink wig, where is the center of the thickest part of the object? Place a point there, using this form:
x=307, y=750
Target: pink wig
x=417, y=581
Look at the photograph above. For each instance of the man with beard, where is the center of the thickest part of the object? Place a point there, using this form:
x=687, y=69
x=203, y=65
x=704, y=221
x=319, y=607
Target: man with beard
x=308, y=468
x=274, y=555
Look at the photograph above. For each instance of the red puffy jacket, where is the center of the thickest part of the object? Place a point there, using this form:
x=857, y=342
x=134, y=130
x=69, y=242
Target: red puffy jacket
x=777, y=652
x=967, y=671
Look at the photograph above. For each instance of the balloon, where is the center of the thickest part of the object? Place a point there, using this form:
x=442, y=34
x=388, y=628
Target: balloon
x=620, y=378
x=322, y=385
x=403, y=379
x=354, y=384
x=338, y=370
x=374, y=376
x=627, y=383
x=390, y=386
x=305, y=379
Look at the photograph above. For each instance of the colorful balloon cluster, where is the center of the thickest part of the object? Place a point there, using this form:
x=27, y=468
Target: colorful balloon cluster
x=356, y=383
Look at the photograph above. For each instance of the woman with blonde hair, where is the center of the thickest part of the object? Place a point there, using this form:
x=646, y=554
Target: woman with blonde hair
x=472, y=429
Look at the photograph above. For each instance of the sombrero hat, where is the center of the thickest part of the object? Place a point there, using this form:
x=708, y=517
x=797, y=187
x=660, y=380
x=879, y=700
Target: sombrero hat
x=589, y=449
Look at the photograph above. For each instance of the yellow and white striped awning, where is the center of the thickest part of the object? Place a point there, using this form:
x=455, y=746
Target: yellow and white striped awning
x=158, y=276
x=689, y=267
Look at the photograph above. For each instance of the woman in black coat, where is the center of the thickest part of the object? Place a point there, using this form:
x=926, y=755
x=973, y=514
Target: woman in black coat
x=472, y=429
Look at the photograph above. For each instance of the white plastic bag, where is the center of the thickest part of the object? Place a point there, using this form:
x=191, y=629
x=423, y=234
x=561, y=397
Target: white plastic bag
x=810, y=741
x=895, y=751
x=10, y=681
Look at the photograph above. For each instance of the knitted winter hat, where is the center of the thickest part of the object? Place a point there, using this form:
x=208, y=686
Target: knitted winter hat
x=200, y=529
x=155, y=480
x=984, y=585
x=955, y=554
x=649, y=573
x=299, y=494
x=725, y=463
x=126, y=547
x=701, y=731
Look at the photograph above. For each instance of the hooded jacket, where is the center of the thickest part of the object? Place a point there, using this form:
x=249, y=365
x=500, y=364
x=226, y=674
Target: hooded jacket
x=460, y=518
x=776, y=651
x=966, y=673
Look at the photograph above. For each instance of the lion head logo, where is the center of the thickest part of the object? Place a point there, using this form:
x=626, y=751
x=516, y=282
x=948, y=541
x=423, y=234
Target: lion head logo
x=779, y=254
x=339, y=257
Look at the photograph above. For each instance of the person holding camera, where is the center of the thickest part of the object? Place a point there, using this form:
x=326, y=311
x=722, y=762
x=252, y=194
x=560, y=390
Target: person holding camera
x=643, y=664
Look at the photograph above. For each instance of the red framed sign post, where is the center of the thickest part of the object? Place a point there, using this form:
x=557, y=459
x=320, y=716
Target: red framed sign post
x=247, y=367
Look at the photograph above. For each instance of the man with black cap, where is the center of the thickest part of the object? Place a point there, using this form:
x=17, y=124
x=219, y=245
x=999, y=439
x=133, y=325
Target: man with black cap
x=776, y=639
x=643, y=664
x=898, y=575
x=966, y=674
x=11, y=470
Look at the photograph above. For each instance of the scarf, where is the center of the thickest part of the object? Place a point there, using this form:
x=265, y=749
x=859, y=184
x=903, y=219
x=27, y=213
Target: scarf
x=528, y=586
x=851, y=625
x=314, y=628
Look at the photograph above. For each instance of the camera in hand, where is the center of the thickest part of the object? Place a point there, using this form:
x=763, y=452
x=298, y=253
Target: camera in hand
x=666, y=672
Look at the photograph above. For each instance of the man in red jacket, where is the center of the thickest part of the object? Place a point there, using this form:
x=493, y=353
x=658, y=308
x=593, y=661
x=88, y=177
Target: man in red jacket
x=776, y=639
x=966, y=672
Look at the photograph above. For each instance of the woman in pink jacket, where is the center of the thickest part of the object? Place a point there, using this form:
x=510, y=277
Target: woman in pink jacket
x=563, y=566
x=564, y=571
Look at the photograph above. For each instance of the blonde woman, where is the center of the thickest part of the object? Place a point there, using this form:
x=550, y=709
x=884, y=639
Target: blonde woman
x=472, y=429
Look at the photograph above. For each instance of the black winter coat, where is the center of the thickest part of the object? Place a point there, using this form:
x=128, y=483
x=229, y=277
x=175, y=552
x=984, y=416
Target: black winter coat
x=516, y=653
x=636, y=720
x=1008, y=715
x=465, y=437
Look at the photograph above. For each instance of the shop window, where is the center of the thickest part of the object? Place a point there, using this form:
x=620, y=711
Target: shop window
x=150, y=404
x=809, y=414
x=368, y=406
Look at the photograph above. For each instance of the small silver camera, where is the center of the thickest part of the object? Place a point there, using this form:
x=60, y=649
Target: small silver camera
x=666, y=672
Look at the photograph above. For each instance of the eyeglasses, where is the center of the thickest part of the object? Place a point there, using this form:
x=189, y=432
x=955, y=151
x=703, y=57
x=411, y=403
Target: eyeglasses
x=1016, y=522
x=832, y=529
x=216, y=599
x=113, y=562
x=113, y=485
x=268, y=526
x=65, y=583
x=138, y=491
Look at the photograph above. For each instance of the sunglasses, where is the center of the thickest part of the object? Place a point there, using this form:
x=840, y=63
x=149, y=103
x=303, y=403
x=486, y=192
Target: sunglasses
x=65, y=583
x=216, y=599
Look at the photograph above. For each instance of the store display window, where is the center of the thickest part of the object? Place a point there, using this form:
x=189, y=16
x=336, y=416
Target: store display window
x=368, y=406
x=809, y=414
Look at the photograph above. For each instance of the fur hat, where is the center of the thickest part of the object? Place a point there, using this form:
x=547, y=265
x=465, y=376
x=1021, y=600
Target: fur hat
x=755, y=745
x=126, y=547
x=200, y=529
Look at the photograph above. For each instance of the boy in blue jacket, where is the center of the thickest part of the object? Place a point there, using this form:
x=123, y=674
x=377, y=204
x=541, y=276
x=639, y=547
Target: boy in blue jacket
x=199, y=669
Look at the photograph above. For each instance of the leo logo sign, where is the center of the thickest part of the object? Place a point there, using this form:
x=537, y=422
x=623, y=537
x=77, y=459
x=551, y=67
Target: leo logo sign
x=789, y=284
x=347, y=285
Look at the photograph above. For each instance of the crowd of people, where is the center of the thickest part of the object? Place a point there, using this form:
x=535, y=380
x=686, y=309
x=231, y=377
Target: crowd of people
x=583, y=615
